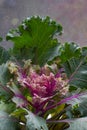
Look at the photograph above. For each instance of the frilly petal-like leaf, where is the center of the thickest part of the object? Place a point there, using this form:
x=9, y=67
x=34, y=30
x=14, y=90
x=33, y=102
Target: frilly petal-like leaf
x=34, y=39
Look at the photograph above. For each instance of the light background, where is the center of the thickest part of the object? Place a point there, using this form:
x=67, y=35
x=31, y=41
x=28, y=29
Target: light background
x=72, y=14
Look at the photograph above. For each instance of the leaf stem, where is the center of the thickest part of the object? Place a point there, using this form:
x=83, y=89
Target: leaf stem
x=62, y=101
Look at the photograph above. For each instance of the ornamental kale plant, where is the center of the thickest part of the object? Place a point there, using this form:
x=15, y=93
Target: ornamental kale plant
x=43, y=83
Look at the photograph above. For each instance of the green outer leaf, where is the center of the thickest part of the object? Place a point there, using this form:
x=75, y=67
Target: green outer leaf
x=34, y=39
x=8, y=123
x=7, y=107
x=5, y=76
x=4, y=55
x=79, y=106
x=69, y=50
x=35, y=122
x=76, y=70
x=84, y=51
x=79, y=124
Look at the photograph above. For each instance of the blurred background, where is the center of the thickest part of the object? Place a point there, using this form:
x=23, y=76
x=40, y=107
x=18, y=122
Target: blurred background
x=72, y=14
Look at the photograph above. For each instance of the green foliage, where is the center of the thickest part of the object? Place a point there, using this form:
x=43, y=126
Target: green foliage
x=4, y=55
x=35, y=122
x=78, y=124
x=7, y=122
x=5, y=76
x=34, y=39
x=79, y=106
x=7, y=106
x=84, y=51
x=76, y=70
x=1, y=39
x=68, y=51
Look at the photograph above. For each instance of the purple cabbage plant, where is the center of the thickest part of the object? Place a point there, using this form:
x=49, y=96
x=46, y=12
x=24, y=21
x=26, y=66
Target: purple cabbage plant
x=43, y=83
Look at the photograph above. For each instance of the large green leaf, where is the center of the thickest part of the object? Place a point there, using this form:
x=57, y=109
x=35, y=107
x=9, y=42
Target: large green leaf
x=7, y=122
x=76, y=70
x=35, y=122
x=34, y=39
x=78, y=124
